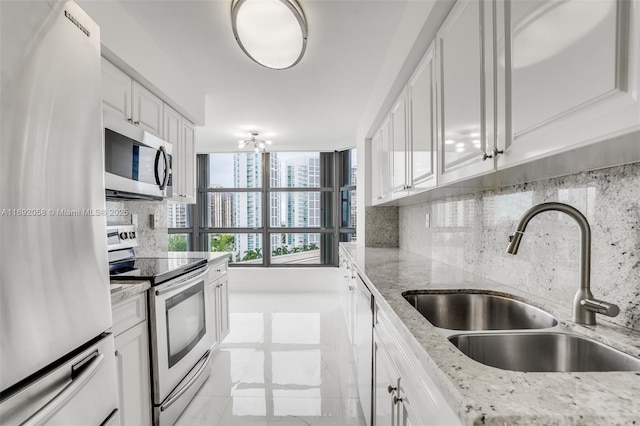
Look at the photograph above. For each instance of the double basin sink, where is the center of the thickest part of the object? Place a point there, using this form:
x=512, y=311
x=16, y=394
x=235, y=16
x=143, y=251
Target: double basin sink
x=514, y=343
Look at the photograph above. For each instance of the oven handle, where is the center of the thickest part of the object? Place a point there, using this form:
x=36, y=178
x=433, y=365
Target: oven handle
x=182, y=283
x=173, y=398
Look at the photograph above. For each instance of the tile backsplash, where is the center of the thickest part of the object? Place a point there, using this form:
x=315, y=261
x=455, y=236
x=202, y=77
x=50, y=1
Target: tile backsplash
x=471, y=232
x=382, y=226
x=152, y=241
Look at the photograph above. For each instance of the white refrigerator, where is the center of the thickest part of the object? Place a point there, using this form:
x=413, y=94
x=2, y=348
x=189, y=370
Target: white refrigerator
x=57, y=363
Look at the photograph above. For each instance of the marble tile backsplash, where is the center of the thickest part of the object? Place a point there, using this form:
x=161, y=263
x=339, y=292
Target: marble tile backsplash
x=471, y=232
x=152, y=241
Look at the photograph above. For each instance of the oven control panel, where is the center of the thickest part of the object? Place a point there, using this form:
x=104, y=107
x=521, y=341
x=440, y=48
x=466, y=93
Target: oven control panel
x=121, y=237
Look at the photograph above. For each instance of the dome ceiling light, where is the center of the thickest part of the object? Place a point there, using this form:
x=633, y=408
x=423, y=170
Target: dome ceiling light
x=272, y=33
x=257, y=144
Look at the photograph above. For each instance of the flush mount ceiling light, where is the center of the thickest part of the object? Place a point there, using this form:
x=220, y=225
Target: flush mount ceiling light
x=273, y=33
x=258, y=144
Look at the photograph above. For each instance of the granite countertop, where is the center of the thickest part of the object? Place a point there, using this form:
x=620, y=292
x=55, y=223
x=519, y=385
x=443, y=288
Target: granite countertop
x=209, y=255
x=122, y=290
x=480, y=394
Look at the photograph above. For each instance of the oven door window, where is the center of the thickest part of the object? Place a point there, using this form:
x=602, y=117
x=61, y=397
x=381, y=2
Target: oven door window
x=185, y=315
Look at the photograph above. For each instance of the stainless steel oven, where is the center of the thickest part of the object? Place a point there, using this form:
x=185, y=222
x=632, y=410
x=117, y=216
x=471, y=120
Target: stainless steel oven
x=181, y=342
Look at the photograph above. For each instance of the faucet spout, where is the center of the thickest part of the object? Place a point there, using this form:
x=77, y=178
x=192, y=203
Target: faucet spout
x=584, y=305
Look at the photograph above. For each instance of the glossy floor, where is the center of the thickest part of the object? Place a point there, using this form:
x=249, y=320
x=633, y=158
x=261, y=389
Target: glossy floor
x=285, y=362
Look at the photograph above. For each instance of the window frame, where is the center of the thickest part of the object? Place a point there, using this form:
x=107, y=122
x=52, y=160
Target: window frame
x=332, y=166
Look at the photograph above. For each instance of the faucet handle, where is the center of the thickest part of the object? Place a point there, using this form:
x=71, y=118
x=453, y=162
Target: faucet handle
x=600, y=307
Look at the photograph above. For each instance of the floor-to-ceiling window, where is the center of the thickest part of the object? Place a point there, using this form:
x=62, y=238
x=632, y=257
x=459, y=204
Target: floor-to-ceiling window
x=280, y=208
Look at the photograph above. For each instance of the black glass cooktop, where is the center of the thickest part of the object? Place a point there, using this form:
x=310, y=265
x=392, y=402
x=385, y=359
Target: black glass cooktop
x=154, y=269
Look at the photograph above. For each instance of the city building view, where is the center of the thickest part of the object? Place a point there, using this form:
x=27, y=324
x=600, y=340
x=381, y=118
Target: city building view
x=237, y=204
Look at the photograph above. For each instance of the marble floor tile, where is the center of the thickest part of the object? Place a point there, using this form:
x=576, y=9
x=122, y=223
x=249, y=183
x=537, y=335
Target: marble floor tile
x=286, y=361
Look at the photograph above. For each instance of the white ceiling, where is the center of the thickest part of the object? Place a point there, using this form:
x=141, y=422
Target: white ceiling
x=316, y=105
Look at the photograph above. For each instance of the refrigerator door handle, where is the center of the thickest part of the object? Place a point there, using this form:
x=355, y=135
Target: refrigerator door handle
x=58, y=402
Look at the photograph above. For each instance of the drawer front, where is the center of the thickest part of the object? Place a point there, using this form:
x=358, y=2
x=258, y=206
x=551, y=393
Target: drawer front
x=217, y=270
x=128, y=313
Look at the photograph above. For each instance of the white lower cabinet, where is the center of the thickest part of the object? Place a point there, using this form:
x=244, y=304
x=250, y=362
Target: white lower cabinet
x=363, y=345
x=404, y=393
x=219, y=294
x=387, y=382
x=132, y=360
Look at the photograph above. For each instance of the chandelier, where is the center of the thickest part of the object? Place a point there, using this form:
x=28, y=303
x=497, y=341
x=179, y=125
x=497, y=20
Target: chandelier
x=257, y=144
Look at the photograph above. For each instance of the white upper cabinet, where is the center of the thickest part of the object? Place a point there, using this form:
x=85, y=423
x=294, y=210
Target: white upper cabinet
x=116, y=90
x=421, y=133
x=570, y=70
x=381, y=163
x=376, y=178
x=123, y=96
x=147, y=109
x=188, y=151
x=398, y=121
x=465, y=91
x=181, y=134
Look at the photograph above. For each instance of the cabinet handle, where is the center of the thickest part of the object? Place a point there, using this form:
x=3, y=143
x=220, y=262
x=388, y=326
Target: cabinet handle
x=129, y=120
x=486, y=156
x=396, y=400
x=496, y=152
x=137, y=123
x=390, y=389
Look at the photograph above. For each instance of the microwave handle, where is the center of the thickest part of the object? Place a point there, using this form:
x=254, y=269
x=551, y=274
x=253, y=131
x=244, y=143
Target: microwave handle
x=166, y=168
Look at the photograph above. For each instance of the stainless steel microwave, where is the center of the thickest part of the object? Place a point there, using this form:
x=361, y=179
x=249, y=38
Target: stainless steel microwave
x=137, y=164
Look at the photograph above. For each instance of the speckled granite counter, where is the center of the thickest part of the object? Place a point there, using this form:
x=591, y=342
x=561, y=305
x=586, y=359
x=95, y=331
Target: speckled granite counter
x=480, y=394
x=122, y=290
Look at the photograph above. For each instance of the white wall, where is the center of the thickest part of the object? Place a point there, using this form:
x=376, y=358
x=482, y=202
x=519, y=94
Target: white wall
x=128, y=46
x=282, y=280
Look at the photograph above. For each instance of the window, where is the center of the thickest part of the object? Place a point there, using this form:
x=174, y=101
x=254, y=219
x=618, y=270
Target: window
x=348, y=206
x=179, y=224
x=293, y=211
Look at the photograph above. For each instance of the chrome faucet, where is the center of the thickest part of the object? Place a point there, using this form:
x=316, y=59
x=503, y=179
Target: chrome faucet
x=585, y=306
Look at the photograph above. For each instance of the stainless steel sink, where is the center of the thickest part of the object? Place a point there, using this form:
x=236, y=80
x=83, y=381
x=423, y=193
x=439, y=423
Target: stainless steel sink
x=477, y=311
x=543, y=352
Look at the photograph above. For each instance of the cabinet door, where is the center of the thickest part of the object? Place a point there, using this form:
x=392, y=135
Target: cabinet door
x=386, y=378
x=399, y=146
x=384, y=166
x=187, y=153
x=172, y=126
x=376, y=179
x=465, y=101
x=364, y=348
x=212, y=316
x=568, y=85
x=132, y=364
x=147, y=110
x=116, y=90
x=223, y=307
x=422, y=120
